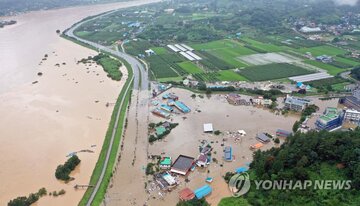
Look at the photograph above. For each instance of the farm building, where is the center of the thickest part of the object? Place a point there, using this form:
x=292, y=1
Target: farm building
x=331, y=120
x=283, y=133
x=296, y=103
x=149, y=52
x=228, y=156
x=203, y=191
x=160, y=130
x=262, y=138
x=187, y=56
x=208, y=127
x=186, y=194
x=173, y=48
x=187, y=47
x=165, y=163
x=182, y=165
x=182, y=107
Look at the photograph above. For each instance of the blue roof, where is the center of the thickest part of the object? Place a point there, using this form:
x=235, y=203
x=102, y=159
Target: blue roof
x=228, y=153
x=241, y=169
x=203, y=191
x=182, y=107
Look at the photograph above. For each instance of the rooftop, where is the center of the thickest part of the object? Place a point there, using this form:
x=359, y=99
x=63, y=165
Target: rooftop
x=182, y=164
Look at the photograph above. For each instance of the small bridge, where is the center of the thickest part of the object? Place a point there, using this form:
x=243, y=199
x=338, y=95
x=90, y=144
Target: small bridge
x=82, y=186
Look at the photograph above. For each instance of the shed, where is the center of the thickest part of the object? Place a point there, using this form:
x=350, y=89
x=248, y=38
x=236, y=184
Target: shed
x=208, y=127
x=262, y=138
x=186, y=194
x=283, y=133
x=203, y=191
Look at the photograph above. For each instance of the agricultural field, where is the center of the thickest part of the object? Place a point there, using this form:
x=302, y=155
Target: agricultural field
x=160, y=68
x=329, y=68
x=229, y=75
x=272, y=71
x=190, y=67
x=261, y=47
x=327, y=82
x=323, y=50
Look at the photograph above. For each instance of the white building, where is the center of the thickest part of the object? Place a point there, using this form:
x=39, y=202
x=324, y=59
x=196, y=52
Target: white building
x=208, y=127
x=352, y=115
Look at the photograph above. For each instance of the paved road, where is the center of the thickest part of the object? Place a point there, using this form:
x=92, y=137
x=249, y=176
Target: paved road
x=141, y=83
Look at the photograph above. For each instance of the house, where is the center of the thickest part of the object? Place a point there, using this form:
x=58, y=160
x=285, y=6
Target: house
x=262, y=138
x=182, y=165
x=351, y=115
x=283, y=133
x=208, y=127
x=258, y=100
x=267, y=102
x=165, y=181
x=203, y=191
x=296, y=103
x=186, y=194
x=242, y=132
x=331, y=120
x=165, y=163
x=170, y=96
x=202, y=161
x=307, y=29
x=228, y=156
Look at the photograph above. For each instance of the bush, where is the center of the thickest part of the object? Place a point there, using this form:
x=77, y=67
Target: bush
x=217, y=132
x=27, y=201
x=277, y=140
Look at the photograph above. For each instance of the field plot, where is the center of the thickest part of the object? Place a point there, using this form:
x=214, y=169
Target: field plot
x=273, y=71
x=329, y=68
x=323, y=50
x=190, y=67
x=268, y=58
x=160, y=68
x=261, y=47
x=229, y=75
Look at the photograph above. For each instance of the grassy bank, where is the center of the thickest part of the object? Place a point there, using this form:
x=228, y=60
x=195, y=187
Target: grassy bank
x=115, y=147
x=114, y=150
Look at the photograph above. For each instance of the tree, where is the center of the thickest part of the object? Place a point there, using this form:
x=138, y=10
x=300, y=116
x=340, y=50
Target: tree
x=193, y=202
x=58, y=31
x=296, y=126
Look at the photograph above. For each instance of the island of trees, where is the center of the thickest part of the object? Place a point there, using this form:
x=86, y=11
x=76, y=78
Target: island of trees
x=63, y=171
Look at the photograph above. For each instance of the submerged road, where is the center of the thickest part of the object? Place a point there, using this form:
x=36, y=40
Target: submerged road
x=140, y=84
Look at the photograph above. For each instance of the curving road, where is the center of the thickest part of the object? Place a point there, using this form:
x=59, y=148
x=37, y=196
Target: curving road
x=140, y=80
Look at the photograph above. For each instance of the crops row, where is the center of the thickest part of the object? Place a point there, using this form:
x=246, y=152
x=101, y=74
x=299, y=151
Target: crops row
x=160, y=68
x=258, y=50
x=137, y=47
x=341, y=65
x=206, y=77
x=326, y=82
x=214, y=63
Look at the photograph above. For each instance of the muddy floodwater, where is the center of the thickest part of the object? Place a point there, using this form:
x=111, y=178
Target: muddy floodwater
x=46, y=117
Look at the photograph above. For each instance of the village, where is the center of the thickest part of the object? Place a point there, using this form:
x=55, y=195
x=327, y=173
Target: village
x=196, y=139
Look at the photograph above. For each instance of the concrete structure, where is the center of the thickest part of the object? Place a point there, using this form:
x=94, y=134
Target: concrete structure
x=203, y=191
x=296, y=103
x=208, y=127
x=352, y=115
x=332, y=119
x=353, y=102
x=182, y=165
x=262, y=138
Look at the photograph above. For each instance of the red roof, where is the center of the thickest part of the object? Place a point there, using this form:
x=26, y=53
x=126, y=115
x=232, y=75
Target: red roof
x=186, y=194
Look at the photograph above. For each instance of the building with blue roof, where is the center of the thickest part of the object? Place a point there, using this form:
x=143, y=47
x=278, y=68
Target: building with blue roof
x=203, y=191
x=241, y=169
x=228, y=153
x=182, y=107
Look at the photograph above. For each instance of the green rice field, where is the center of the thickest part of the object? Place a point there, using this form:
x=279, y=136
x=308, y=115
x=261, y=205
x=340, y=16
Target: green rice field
x=190, y=67
x=272, y=71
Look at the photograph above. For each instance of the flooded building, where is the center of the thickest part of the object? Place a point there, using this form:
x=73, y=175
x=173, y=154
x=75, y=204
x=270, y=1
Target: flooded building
x=228, y=156
x=352, y=115
x=182, y=165
x=283, y=133
x=353, y=102
x=331, y=120
x=203, y=191
x=262, y=138
x=296, y=103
